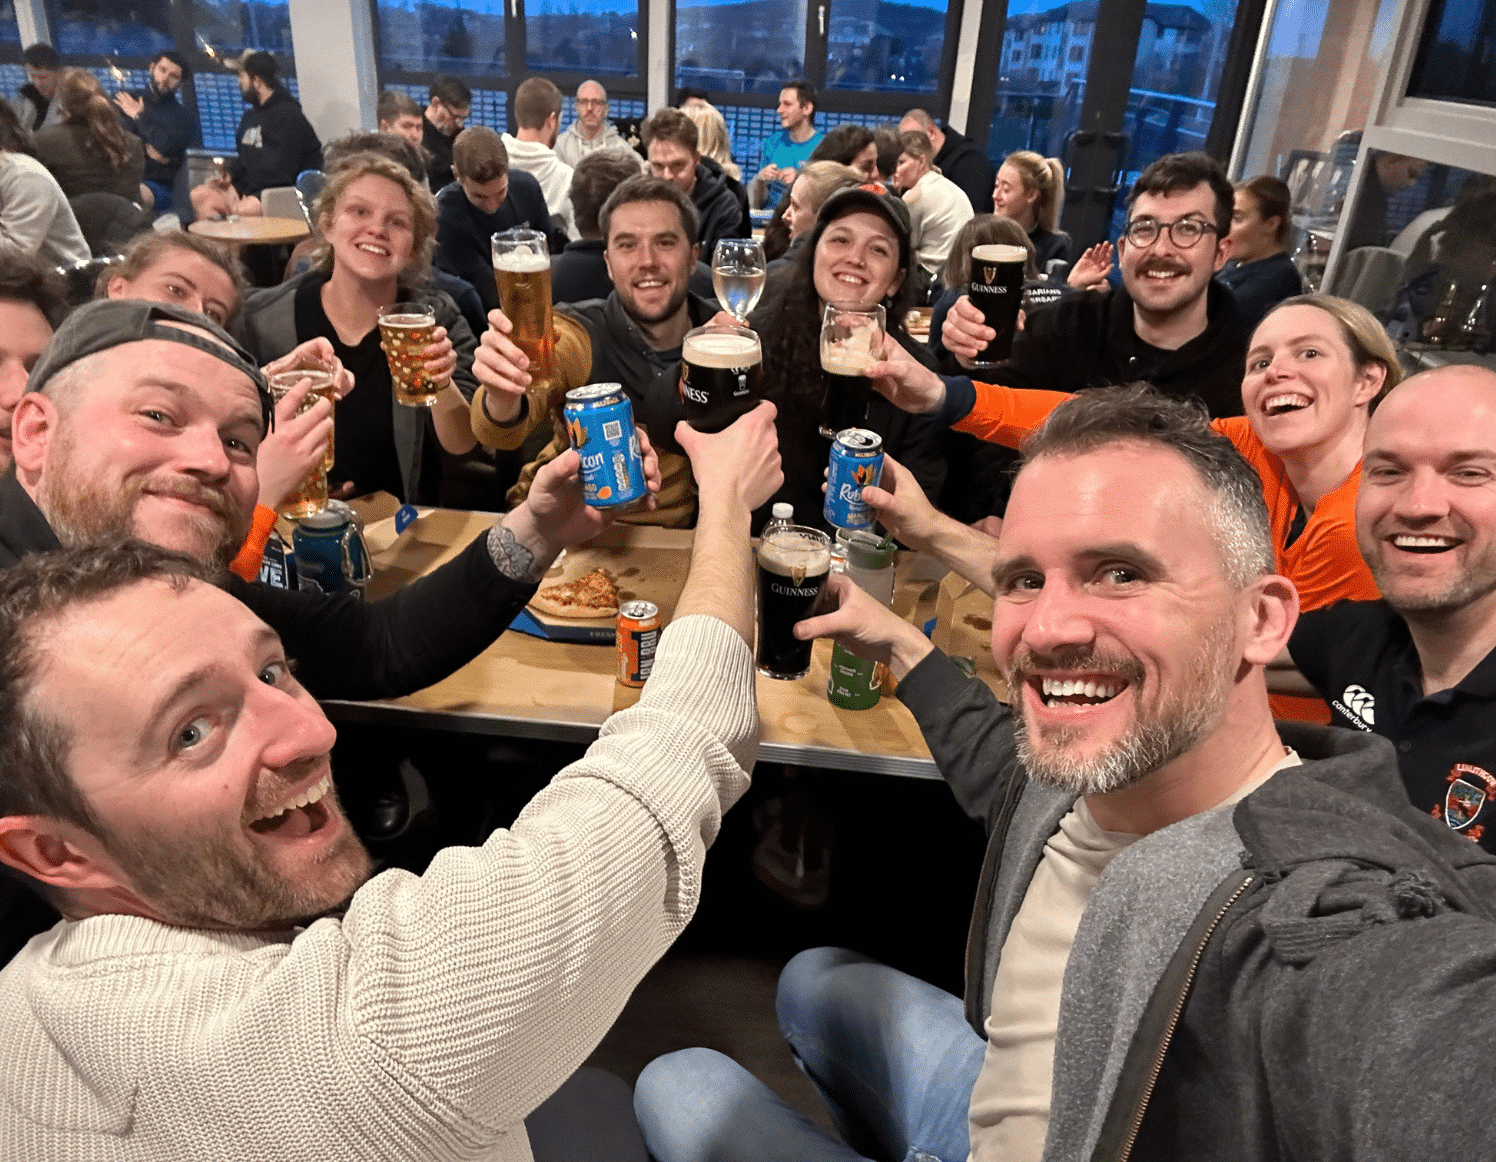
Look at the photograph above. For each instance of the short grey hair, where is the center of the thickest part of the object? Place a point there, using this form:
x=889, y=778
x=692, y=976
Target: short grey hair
x=1139, y=413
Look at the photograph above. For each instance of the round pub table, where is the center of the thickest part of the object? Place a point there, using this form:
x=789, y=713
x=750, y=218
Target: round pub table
x=251, y=230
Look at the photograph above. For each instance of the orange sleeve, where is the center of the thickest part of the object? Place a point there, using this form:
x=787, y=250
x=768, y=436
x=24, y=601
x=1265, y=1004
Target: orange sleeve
x=1326, y=563
x=1005, y=415
x=247, y=563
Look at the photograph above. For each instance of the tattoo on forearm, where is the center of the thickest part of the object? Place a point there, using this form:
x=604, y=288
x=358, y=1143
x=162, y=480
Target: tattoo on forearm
x=512, y=558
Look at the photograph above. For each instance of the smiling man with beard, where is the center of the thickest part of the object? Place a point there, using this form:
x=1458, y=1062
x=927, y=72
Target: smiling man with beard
x=1191, y=921
x=633, y=337
x=1419, y=666
x=1169, y=323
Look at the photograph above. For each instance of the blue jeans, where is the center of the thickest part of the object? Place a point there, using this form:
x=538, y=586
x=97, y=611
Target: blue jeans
x=163, y=197
x=893, y=1057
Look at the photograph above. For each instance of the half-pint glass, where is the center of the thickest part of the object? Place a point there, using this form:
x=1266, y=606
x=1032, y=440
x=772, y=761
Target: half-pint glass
x=997, y=291
x=522, y=272
x=793, y=562
x=720, y=373
x=851, y=342
x=405, y=331
x=310, y=496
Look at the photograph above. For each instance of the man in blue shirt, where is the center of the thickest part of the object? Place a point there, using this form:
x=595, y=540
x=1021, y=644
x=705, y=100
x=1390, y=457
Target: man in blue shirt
x=786, y=151
x=158, y=119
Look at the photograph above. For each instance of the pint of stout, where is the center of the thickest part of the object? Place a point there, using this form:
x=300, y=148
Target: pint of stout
x=851, y=342
x=997, y=291
x=405, y=331
x=522, y=272
x=720, y=374
x=793, y=562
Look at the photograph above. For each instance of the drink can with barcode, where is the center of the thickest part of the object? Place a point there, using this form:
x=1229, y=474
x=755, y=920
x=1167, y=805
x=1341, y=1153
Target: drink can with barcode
x=856, y=463
x=600, y=424
x=638, y=635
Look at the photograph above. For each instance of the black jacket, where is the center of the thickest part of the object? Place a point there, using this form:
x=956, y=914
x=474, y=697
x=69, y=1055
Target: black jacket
x=438, y=147
x=1088, y=341
x=1261, y=285
x=718, y=209
x=165, y=126
x=1309, y=972
x=967, y=166
x=739, y=191
x=275, y=142
x=464, y=232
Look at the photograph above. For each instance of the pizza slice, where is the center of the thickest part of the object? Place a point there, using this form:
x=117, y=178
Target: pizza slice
x=591, y=596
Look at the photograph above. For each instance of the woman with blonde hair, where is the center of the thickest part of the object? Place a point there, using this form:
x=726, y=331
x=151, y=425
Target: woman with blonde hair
x=89, y=152
x=816, y=182
x=378, y=227
x=711, y=137
x=1030, y=189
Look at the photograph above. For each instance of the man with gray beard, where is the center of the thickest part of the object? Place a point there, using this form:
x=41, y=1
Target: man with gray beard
x=1189, y=923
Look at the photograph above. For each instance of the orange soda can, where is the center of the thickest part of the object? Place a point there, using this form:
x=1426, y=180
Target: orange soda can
x=637, y=635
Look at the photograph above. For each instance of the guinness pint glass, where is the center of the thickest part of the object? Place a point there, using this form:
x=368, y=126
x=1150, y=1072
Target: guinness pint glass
x=720, y=373
x=793, y=562
x=851, y=342
x=997, y=291
x=522, y=272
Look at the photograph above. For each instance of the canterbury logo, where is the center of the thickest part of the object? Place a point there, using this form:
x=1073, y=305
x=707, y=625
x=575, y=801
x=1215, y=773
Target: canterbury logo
x=1360, y=703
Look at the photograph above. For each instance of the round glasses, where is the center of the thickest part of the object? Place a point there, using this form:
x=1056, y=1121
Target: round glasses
x=1183, y=233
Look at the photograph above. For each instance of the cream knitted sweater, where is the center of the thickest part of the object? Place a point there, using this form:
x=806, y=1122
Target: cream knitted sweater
x=431, y=1019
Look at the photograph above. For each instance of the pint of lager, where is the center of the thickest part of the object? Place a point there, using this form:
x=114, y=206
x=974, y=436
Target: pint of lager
x=720, y=374
x=851, y=342
x=310, y=494
x=405, y=331
x=793, y=562
x=522, y=272
x=997, y=291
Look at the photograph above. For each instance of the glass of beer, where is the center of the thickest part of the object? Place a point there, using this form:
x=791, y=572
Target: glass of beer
x=310, y=496
x=738, y=273
x=405, y=331
x=720, y=373
x=522, y=272
x=851, y=342
x=793, y=562
x=997, y=291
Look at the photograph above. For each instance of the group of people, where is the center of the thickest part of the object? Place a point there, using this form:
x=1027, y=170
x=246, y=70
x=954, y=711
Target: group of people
x=1198, y=931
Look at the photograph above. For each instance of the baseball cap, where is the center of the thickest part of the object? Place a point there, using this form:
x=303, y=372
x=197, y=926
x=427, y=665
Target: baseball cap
x=876, y=198
x=258, y=64
x=105, y=323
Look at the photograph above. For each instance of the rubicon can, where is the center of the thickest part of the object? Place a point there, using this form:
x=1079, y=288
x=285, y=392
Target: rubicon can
x=856, y=463
x=638, y=634
x=600, y=424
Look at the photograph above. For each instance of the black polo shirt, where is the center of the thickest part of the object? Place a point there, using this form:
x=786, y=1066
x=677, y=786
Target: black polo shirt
x=1361, y=658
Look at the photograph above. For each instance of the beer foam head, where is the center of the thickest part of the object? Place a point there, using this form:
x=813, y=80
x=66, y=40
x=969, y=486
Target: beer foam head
x=844, y=361
x=996, y=252
x=521, y=262
x=722, y=349
x=795, y=555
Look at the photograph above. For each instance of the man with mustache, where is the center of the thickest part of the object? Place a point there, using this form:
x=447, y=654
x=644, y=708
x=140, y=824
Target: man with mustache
x=1169, y=324
x=146, y=418
x=229, y=981
x=1419, y=666
x=1197, y=933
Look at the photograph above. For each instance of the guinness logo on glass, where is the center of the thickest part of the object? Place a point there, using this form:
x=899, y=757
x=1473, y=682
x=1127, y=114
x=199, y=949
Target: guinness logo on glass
x=989, y=274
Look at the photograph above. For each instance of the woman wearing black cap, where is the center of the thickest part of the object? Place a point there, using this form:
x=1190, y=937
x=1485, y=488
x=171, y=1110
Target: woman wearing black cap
x=857, y=256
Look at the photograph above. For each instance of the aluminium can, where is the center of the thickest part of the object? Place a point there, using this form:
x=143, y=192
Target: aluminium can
x=637, y=636
x=856, y=463
x=600, y=424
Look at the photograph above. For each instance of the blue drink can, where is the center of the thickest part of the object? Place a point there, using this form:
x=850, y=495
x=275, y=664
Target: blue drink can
x=856, y=463
x=600, y=424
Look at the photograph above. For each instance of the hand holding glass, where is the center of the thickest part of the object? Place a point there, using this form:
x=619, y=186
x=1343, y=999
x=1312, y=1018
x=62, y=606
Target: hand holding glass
x=310, y=496
x=522, y=272
x=738, y=273
x=851, y=342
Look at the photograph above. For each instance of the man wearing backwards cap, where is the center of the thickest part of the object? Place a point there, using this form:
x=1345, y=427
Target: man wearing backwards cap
x=145, y=418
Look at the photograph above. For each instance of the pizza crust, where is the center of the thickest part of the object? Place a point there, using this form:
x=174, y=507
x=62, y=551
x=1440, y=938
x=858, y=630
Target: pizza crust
x=589, y=597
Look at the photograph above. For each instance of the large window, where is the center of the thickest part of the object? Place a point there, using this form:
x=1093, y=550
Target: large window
x=1455, y=60
x=740, y=46
x=596, y=37
x=416, y=36
x=128, y=28
x=10, y=29
x=885, y=46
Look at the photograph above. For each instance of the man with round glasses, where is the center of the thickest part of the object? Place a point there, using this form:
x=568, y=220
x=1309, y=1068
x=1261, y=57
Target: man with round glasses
x=1168, y=323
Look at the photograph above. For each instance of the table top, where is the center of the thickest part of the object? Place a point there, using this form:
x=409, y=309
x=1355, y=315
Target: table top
x=525, y=687
x=251, y=229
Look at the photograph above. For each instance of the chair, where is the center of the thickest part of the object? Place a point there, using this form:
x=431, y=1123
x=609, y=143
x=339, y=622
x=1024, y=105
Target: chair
x=310, y=184
x=108, y=222
x=1369, y=275
x=283, y=202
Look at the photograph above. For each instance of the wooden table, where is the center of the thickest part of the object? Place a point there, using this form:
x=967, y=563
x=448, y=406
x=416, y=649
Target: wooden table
x=524, y=687
x=251, y=229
